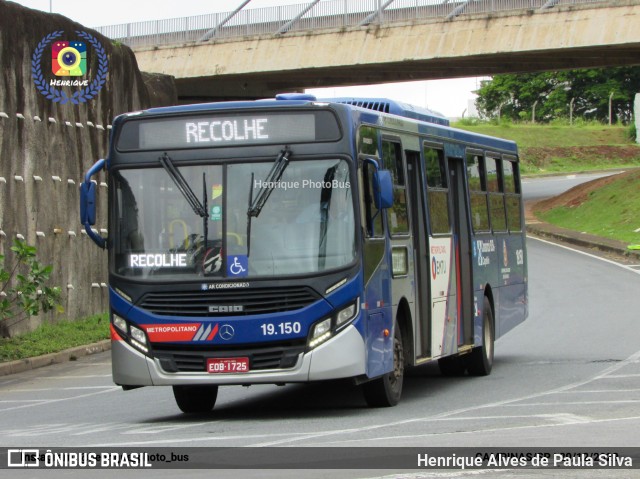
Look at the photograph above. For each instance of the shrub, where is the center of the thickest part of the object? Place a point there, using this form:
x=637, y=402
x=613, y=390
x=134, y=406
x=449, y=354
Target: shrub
x=24, y=291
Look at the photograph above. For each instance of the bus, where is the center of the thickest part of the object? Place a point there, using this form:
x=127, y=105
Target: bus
x=294, y=240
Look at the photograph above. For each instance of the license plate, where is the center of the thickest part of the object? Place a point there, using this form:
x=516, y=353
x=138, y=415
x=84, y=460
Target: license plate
x=227, y=365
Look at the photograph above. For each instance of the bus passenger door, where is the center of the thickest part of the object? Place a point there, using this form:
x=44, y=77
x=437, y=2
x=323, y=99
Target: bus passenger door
x=417, y=199
x=463, y=250
x=448, y=254
x=442, y=254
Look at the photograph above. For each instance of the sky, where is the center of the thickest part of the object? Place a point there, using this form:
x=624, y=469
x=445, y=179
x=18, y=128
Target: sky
x=451, y=97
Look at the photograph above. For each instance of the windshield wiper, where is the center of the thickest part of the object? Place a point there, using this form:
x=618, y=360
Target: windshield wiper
x=183, y=186
x=269, y=183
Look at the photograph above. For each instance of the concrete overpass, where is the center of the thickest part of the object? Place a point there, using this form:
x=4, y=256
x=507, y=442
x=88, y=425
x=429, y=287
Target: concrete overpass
x=489, y=41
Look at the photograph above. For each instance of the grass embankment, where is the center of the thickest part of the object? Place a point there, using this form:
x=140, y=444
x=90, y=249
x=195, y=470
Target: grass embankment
x=608, y=207
x=564, y=148
x=51, y=338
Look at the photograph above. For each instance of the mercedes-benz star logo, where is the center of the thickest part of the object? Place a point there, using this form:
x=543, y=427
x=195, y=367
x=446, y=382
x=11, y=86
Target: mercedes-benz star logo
x=227, y=332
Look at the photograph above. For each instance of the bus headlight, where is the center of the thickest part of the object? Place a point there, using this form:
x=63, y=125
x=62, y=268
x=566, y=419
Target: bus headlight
x=120, y=323
x=326, y=328
x=321, y=332
x=345, y=315
x=139, y=339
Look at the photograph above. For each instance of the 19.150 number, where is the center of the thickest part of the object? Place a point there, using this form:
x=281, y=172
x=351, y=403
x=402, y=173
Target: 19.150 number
x=271, y=329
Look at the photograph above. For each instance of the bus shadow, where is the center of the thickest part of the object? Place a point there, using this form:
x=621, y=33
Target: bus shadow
x=331, y=398
x=317, y=400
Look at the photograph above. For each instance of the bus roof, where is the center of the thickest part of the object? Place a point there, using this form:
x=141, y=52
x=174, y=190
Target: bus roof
x=385, y=105
x=382, y=105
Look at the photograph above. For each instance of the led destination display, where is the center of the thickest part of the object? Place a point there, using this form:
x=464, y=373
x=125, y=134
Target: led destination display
x=228, y=130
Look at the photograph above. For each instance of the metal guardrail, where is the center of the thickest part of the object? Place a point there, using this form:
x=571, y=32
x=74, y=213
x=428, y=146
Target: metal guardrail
x=322, y=14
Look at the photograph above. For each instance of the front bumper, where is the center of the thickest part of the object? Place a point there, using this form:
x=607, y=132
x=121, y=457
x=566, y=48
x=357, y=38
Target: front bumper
x=343, y=356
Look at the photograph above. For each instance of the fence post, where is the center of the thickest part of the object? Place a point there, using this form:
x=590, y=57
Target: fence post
x=610, y=107
x=344, y=14
x=571, y=111
x=636, y=116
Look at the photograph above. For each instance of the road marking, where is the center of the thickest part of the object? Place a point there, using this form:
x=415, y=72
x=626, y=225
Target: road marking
x=391, y=439
x=623, y=266
x=21, y=400
x=39, y=390
x=83, y=429
x=598, y=391
x=575, y=403
x=52, y=401
x=566, y=418
x=243, y=437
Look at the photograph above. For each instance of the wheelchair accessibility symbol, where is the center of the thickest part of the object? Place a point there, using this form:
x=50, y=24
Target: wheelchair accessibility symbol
x=238, y=266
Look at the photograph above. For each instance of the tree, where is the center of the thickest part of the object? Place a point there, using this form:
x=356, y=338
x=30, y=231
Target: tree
x=24, y=292
x=514, y=95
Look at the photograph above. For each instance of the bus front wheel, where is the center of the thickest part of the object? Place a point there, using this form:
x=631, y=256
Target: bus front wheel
x=385, y=391
x=195, y=399
x=480, y=361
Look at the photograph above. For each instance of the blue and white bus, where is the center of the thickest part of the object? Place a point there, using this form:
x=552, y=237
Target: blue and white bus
x=295, y=240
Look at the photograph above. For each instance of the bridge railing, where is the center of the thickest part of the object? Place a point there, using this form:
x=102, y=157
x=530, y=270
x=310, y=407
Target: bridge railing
x=325, y=14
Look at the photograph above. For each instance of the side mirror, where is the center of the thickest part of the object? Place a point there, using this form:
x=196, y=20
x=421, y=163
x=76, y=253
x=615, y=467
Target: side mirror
x=88, y=203
x=383, y=189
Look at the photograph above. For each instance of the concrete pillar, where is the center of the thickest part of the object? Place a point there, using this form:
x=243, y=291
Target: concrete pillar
x=636, y=115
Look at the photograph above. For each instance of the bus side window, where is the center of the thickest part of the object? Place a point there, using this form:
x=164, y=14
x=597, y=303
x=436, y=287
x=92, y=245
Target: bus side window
x=398, y=216
x=512, y=196
x=437, y=191
x=477, y=192
x=368, y=141
x=496, y=195
x=373, y=216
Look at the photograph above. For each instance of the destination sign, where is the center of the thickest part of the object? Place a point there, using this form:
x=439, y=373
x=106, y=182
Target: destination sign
x=232, y=130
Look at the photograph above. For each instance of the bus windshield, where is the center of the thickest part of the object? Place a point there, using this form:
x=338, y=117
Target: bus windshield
x=306, y=226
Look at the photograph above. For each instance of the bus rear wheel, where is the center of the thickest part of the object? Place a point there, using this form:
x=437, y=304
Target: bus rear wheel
x=195, y=399
x=385, y=391
x=480, y=361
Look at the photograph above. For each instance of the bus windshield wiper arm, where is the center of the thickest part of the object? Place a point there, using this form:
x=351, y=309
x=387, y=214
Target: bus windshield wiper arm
x=269, y=183
x=183, y=186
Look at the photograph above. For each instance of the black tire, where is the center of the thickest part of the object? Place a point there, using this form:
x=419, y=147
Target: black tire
x=195, y=399
x=385, y=391
x=452, y=366
x=480, y=361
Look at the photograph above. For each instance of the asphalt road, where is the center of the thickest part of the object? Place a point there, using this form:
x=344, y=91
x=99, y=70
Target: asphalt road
x=537, y=188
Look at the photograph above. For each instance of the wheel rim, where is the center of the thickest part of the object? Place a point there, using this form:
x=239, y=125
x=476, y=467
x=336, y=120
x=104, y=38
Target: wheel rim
x=395, y=378
x=488, y=344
